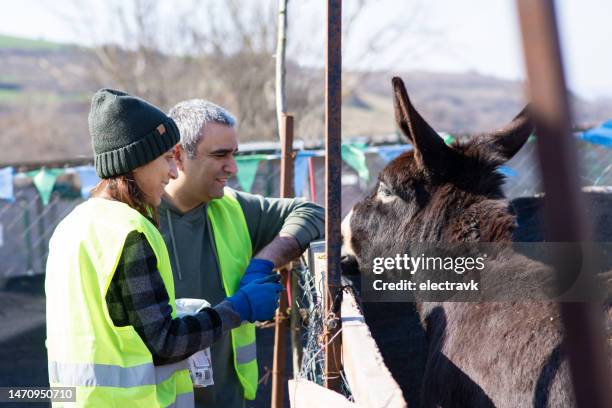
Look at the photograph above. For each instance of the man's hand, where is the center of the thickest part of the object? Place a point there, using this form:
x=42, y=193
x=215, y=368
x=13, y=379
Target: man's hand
x=283, y=249
x=257, y=269
x=258, y=300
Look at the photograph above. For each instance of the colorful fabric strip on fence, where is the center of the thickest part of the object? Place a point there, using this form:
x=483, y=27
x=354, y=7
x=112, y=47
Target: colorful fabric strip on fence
x=89, y=179
x=507, y=171
x=300, y=170
x=389, y=153
x=247, y=169
x=6, y=184
x=601, y=135
x=353, y=154
x=44, y=180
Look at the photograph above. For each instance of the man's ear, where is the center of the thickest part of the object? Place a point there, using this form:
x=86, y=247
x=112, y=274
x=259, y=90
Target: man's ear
x=179, y=156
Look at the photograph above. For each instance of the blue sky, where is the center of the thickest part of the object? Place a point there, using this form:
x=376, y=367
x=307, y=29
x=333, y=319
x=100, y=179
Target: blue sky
x=442, y=35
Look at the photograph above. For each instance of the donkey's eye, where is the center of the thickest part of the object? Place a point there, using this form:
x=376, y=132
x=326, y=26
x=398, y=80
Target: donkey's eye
x=384, y=190
x=384, y=193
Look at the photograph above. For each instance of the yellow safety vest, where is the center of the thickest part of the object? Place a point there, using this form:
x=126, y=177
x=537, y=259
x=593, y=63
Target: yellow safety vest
x=234, y=250
x=109, y=366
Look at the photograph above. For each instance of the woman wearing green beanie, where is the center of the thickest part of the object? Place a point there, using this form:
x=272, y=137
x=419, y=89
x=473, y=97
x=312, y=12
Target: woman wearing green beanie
x=112, y=329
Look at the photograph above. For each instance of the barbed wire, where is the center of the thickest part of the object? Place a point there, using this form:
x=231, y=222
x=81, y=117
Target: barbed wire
x=311, y=306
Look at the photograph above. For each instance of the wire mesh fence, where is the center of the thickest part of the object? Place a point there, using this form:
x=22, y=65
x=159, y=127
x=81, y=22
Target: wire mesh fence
x=26, y=224
x=312, y=313
x=309, y=301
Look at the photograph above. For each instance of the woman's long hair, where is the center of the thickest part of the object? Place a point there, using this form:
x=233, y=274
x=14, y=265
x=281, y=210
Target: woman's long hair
x=124, y=188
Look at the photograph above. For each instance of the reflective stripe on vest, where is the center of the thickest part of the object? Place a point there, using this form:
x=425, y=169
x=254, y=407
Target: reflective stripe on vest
x=105, y=375
x=108, y=365
x=234, y=250
x=183, y=401
x=246, y=354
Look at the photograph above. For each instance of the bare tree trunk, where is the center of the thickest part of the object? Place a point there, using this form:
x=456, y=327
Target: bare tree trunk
x=281, y=105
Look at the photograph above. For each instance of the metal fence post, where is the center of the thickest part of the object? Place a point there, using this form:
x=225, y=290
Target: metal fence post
x=333, y=171
x=564, y=215
x=280, y=326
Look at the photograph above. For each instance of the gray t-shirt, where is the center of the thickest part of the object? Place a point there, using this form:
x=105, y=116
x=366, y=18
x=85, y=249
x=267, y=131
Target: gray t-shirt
x=190, y=242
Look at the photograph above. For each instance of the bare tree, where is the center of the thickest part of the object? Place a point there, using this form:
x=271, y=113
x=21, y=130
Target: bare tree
x=224, y=51
x=281, y=105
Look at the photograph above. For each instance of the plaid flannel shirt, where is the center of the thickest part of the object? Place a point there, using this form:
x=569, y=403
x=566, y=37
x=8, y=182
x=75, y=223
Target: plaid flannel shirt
x=137, y=296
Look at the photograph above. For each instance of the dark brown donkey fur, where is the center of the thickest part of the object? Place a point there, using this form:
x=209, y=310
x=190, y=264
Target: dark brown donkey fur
x=479, y=354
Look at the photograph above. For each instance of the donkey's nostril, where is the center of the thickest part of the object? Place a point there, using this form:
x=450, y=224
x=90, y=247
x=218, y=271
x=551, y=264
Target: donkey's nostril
x=349, y=265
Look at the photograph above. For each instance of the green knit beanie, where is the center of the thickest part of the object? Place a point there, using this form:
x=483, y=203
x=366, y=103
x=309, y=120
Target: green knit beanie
x=127, y=132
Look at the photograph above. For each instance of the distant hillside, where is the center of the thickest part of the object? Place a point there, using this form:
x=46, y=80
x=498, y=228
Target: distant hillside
x=44, y=100
x=456, y=103
x=43, y=103
x=17, y=43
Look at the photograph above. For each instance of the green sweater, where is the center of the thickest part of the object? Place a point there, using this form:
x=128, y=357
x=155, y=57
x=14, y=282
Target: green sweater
x=197, y=275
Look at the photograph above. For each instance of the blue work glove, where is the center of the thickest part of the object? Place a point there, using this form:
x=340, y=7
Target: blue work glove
x=257, y=269
x=257, y=300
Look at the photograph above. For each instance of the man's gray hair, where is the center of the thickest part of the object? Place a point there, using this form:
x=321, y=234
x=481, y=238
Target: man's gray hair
x=191, y=116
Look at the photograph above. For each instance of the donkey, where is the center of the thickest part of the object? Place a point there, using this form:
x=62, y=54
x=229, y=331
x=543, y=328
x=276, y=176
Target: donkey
x=477, y=354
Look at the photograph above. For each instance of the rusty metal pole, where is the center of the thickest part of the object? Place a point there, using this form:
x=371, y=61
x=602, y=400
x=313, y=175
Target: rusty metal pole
x=280, y=324
x=333, y=169
x=295, y=324
x=564, y=212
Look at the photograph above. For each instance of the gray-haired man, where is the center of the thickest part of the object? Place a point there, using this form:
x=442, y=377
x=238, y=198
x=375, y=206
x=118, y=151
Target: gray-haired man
x=214, y=233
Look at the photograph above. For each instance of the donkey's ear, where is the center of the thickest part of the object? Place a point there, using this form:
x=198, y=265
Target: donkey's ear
x=508, y=141
x=430, y=149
